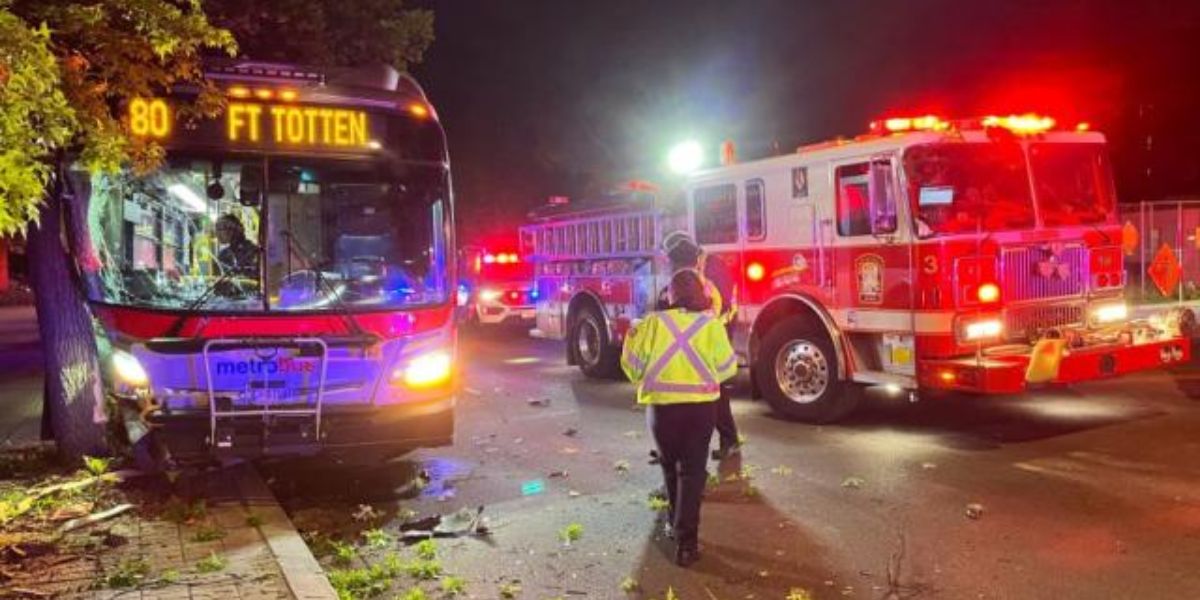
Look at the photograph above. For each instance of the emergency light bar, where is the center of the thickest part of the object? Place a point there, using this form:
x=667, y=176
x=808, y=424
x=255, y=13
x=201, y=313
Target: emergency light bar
x=1024, y=124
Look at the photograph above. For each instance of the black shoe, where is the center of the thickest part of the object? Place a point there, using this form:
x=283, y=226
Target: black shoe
x=726, y=451
x=686, y=557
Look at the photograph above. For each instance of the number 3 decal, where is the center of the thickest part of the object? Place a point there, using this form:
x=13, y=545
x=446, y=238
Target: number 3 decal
x=930, y=265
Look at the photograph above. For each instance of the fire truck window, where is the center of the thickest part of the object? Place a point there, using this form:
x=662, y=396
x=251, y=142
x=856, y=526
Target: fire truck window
x=648, y=229
x=1073, y=182
x=619, y=235
x=853, y=200
x=635, y=235
x=756, y=225
x=716, y=214
x=959, y=188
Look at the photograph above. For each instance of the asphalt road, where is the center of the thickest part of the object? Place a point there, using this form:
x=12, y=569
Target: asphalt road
x=1087, y=492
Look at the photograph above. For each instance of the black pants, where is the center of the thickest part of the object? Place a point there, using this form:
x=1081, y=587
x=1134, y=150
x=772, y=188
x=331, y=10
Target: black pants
x=726, y=428
x=682, y=433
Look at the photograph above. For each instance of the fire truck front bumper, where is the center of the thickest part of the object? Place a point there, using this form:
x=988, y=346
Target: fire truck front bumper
x=1009, y=373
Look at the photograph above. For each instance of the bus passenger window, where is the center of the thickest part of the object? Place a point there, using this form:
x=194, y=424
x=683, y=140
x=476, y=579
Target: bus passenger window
x=756, y=211
x=716, y=214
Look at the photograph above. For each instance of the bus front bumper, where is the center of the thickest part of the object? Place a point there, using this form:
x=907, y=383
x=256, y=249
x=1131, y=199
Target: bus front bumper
x=382, y=431
x=1007, y=374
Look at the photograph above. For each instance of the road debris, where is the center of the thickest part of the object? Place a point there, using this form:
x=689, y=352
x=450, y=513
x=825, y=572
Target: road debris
x=538, y=402
x=632, y=434
x=533, y=487
x=630, y=585
x=974, y=510
x=621, y=466
x=558, y=474
x=365, y=512
x=571, y=432
x=573, y=494
x=853, y=482
x=104, y=515
x=781, y=470
x=928, y=466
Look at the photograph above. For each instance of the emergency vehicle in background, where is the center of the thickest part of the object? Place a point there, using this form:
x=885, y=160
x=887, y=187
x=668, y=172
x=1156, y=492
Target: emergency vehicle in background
x=335, y=331
x=981, y=256
x=496, y=284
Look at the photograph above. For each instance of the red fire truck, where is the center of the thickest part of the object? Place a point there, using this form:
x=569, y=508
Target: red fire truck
x=977, y=256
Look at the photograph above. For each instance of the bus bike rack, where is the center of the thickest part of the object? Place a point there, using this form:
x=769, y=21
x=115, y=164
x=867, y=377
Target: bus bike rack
x=216, y=414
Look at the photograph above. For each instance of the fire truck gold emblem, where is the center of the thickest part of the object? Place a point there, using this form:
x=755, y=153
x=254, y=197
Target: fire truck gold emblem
x=1052, y=266
x=869, y=270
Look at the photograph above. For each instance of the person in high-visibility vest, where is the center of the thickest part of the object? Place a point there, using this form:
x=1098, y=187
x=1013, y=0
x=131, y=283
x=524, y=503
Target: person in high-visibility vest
x=684, y=253
x=678, y=359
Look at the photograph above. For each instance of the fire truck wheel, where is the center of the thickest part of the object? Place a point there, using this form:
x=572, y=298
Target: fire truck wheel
x=596, y=354
x=797, y=373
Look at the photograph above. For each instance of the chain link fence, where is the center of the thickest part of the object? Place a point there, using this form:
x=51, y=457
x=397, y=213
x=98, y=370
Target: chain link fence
x=1175, y=224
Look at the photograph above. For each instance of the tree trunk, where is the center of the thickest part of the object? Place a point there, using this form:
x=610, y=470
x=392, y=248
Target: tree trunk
x=74, y=395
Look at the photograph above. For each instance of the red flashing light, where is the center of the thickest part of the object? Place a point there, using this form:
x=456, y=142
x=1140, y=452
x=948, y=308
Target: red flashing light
x=1083, y=126
x=501, y=258
x=755, y=272
x=1026, y=124
x=903, y=124
x=488, y=259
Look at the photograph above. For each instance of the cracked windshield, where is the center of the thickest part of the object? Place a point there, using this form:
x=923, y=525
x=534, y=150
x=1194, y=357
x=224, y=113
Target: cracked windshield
x=324, y=235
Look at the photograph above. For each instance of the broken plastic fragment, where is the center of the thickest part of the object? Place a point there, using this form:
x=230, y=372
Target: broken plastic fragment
x=533, y=487
x=853, y=482
x=974, y=510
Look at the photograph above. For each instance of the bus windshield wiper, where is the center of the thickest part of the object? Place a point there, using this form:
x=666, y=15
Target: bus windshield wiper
x=201, y=300
x=295, y=248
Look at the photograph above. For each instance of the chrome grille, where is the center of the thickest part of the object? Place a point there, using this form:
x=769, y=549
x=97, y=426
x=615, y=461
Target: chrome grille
x=1027, y=322
x=1024, y=280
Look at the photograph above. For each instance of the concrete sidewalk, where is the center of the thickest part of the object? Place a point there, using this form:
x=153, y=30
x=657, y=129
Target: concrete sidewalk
x=239, y=545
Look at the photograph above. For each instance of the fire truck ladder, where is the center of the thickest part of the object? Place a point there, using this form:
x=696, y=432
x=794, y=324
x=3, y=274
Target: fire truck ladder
x=223, y=410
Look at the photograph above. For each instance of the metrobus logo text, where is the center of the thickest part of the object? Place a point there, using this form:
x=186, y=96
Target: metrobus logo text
x=261, y=367
x=305, y=126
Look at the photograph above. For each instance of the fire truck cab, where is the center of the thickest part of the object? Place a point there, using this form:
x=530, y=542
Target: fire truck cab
x=976, y=256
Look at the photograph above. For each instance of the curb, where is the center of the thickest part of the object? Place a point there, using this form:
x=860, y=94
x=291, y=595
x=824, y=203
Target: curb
x=303, y=574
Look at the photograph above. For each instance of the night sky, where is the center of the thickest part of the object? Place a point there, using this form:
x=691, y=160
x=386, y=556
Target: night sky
x=567, y=97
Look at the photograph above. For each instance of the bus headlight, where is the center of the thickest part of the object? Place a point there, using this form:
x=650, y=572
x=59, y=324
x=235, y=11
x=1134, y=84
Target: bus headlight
x=983, y=329
x=425, y=370
x=129, y=376
x=1110, y=313
x=489, y=295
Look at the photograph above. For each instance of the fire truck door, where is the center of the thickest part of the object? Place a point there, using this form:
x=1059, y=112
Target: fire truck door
x=873, y=271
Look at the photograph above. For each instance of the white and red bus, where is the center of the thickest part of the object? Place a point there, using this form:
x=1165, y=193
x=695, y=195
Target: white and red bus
x=284, y=282
x=977, y=256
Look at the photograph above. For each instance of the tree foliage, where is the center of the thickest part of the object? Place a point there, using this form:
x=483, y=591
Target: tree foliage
x=65, y=70
x=327, y=32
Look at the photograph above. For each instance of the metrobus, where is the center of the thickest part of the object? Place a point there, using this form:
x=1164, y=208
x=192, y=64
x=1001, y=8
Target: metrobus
x=283, y=283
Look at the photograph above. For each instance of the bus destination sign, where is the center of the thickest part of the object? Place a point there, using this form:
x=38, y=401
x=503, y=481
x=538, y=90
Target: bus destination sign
x=262, y=125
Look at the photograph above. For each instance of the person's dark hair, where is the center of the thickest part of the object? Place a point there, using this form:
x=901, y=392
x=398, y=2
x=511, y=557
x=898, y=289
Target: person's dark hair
x=687, y=292
x=231, y=220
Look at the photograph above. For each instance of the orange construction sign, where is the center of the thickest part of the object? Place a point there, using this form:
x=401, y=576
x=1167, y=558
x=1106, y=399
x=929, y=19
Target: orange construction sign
x=1129, y=238
x=1164, y=270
